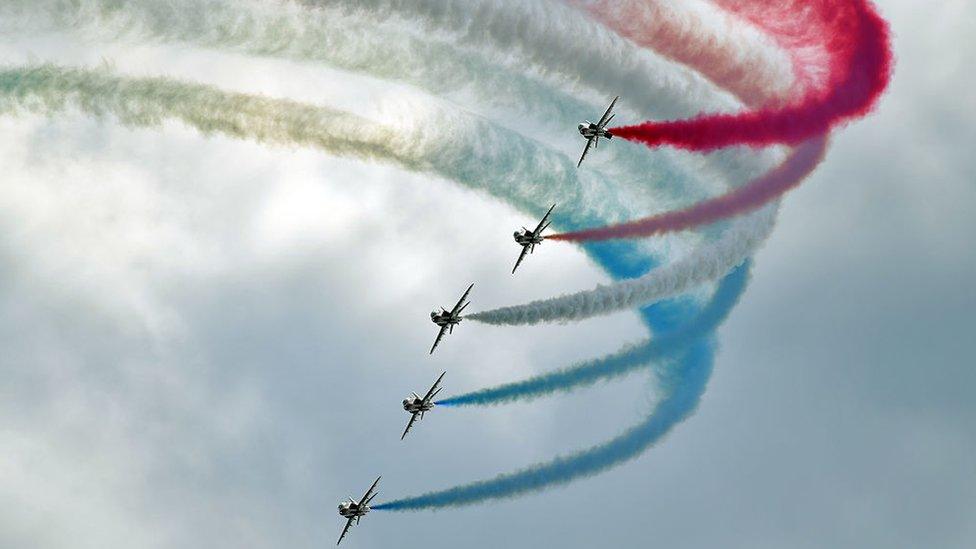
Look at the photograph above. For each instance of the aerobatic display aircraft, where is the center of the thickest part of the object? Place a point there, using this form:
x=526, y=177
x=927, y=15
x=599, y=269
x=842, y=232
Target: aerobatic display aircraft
x=593, y=132
x=529, y=239
x=351, y=510
x=447, y=319
x=417, y=405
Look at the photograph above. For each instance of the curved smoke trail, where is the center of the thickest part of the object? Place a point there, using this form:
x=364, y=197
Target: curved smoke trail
x=667, y=346
x=798, y=165
x=683, y=385
x=755, y=75
x=845, y=40
x=860, y=70
x=706, y=263
x=337, y=34
x=465, y=150
x=383, y=49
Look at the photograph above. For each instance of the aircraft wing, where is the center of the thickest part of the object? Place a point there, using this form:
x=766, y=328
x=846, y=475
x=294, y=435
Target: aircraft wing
x=369, y=492
x=345, y=530
x=433, y=387
x=606, y=116
x=413, y=418
x=542, y=223
x=589, y=142
x=440, y=335
x=458, y=306
x=525, y=251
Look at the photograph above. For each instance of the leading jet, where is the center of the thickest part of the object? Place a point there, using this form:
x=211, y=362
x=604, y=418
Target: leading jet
x=417, y=405
x=351, y=510
x=593, y=132
x=447, y=319
x=529, y=239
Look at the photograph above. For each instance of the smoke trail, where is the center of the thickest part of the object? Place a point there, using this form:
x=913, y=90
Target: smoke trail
x=860, y=69
x=548, y=36
x=669, y=345
x=800, y=38
x=347, y=39
x=798, y=165
x=683, y=387
x=458, y=147
x=708, y=262
x=639, y=183
x=738, y=58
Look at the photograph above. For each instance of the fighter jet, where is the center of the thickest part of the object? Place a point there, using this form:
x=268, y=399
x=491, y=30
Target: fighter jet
x=529, y=239
x=593, y=132
x=447, y=319
x=353, y=511
x=417, y=405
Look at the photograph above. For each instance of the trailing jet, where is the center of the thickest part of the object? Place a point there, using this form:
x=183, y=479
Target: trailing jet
x=353, y=511
x=447, y=319
x=417, y=405
x=529, y=239
x=593, y=132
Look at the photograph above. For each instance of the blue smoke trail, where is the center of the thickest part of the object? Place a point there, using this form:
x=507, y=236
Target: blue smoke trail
x=668, y=346
x=685, y=385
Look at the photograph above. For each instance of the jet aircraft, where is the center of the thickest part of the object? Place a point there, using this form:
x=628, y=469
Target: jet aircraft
x=417, y=405
x=447, y=319
x=529, y=239
x=593, y=132
x=351, y=510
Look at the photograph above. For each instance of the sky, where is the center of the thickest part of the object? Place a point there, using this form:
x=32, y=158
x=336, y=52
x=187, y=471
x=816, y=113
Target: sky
x=206, y=339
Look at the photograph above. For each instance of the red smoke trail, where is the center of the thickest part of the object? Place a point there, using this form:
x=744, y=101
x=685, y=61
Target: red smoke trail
x=842, y=62
x=856, y=39
x=801, y=163
x=716, y=53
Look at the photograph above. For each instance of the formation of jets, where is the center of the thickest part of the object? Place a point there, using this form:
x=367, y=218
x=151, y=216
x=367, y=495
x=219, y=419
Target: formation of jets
x=416, y=405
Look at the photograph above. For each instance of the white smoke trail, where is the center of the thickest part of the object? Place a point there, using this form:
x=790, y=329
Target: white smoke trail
x=370, y=36
x=461, y=148
x=454, y=59
x=705, y=263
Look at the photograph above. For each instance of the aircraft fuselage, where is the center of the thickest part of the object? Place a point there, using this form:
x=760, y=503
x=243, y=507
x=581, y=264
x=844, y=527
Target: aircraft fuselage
x=351, y=509
x=526, y=238
x=444, y=318
x=414, y=405
x=590, y=130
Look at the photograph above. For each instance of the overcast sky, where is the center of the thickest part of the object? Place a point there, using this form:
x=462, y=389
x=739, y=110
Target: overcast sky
x=204, y=342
